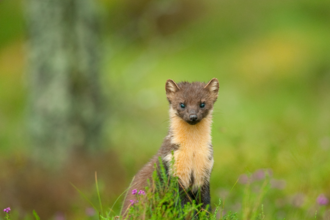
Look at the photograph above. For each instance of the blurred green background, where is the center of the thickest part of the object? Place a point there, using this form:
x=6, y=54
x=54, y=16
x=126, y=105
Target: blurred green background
x=273, y=112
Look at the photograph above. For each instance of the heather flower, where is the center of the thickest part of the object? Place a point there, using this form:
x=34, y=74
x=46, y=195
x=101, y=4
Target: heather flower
x=322, y=200
x=59, y=216
x=243, y=179
x=141, y=192
x=90, y=211
x=259, y=175
x=134, y=191
x=133, y=201
x=7, y=210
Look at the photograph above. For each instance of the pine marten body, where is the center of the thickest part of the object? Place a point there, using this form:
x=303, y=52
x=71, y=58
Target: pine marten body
x=189, y=137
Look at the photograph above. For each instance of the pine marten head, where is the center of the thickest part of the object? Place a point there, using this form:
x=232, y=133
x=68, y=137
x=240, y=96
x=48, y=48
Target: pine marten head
x=192, y=101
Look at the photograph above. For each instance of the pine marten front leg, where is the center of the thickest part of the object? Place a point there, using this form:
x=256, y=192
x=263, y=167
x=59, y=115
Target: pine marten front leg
x=202, y=196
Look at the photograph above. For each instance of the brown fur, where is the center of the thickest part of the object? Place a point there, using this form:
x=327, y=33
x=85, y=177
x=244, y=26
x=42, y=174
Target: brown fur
x=189, y=140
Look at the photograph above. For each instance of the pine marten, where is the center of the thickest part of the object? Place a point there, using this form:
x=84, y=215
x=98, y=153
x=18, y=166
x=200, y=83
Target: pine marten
x=189, y=137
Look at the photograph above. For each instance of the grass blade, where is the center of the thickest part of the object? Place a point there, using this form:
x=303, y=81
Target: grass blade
x=98, y=193
x=36, y=215
x=82, y=195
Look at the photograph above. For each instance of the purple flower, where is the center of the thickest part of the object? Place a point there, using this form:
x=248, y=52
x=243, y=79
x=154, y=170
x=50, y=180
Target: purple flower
x=59, y=216
x=134, y=191
x=243, y=179
x=7, y=210
x=259, y=175
x=90, y=211
x=322, y=200
x=141, y=192
x=133, y=202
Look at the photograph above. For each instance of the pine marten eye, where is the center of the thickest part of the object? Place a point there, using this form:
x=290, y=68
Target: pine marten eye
x=202, y=105
x=182, y=105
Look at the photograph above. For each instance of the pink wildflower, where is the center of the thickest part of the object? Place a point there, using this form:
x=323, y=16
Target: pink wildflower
x=244, y=179
x=134, y=191
x=90, y=211
x=322, y=200
x=259, y=175
x=141, y=192
x=7, y=210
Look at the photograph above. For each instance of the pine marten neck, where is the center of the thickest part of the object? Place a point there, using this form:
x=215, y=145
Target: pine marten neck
x=193, y=159
x=187, y=135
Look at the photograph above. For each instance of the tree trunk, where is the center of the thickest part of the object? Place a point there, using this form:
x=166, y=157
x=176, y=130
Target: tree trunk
x=65, y=95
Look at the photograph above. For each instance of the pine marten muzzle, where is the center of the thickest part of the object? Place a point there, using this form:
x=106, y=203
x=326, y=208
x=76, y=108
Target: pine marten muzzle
x=188, y=141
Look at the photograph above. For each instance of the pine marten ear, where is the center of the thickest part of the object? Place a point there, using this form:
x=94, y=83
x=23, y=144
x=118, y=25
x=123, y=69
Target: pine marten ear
x=171, y=87
x=213, y=87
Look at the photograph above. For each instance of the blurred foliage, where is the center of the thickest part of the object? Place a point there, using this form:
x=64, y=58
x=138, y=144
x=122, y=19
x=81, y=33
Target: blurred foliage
x=11, y=17
x=272, y=62
x=147, y=19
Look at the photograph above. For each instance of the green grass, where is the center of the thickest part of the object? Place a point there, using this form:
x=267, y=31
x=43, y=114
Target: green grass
x=162, y=201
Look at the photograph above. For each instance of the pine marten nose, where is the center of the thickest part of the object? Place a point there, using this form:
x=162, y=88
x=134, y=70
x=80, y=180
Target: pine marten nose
x=193, y=117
